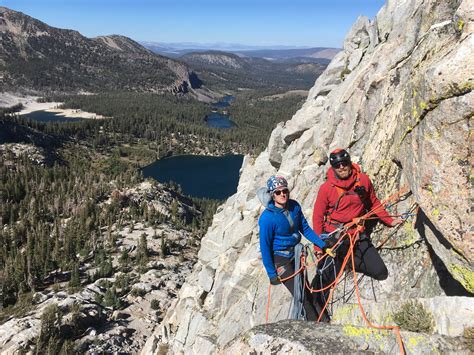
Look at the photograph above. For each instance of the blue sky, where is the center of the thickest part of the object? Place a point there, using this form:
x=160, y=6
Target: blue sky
x=321, y=23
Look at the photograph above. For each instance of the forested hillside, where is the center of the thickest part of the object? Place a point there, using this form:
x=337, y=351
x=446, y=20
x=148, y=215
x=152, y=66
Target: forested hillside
x=65, y=227
x=225, y=70
x=35, y=56
x=91, y=254
x=173, y=125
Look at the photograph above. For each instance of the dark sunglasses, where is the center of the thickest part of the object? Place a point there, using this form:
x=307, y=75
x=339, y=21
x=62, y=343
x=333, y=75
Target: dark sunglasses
x=341, y=163
x=284, y=191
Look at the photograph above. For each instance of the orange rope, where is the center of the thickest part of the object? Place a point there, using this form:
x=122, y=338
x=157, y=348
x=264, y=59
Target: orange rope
x=395, y=328
x=267, y=310
x=336, y=280
x=293, y=275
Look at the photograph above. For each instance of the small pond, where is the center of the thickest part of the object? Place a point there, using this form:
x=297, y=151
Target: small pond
x=219, y=117
x=218, y=120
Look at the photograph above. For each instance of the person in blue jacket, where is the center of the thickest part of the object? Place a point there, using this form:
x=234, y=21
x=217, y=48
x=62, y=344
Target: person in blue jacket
x=281, y=225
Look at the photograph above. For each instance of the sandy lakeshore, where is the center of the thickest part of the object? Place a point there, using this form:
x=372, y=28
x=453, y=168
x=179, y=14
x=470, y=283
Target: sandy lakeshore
x=30, y=104
x=74, y=113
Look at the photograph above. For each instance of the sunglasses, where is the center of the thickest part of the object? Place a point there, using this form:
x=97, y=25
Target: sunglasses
x=341, y=163
x=279, y=192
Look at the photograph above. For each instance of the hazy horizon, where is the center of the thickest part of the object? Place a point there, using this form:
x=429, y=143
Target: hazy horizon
x=256, y=23
x=224, y=46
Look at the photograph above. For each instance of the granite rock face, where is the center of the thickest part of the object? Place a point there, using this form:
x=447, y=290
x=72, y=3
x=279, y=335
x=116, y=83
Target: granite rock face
x=399, y=96
x=299, y=337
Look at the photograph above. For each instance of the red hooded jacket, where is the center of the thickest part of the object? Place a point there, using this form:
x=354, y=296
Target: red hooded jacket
x=350, y=205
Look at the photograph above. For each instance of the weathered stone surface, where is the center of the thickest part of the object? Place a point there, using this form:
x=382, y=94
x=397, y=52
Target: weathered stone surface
x=276, y=146
x=299, y=337
x=451, y=315
x=17, y=333
x=206, y=278
x=35, y=154
x=400, y=96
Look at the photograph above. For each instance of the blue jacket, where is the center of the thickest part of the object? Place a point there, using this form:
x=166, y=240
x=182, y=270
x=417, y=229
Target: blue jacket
x=276, y=236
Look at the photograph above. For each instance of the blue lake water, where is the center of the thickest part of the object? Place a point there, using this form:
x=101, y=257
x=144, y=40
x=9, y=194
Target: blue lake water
x=219, y=117
x=45, y=116
x=219, y=120
x=199, y=176
x=223, y=102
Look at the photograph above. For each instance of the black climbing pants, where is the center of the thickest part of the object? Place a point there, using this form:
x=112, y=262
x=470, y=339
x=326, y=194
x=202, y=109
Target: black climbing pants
x=367, y=261
x=286, y=267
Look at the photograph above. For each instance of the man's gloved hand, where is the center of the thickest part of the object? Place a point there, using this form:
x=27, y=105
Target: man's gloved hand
x=275, y=280
x=330, y=241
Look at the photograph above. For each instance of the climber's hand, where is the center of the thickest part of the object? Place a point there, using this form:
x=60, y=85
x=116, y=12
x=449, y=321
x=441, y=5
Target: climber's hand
x=330, y=241
x=275, y=280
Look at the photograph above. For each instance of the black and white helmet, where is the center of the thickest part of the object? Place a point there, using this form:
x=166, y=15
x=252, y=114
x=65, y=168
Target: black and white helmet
x=339, y=155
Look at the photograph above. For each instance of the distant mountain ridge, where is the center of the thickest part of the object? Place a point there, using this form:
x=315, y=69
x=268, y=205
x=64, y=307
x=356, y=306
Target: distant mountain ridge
x=220, y=46
x=323, y=53
x=175, y=50
x=217, y=58
x=219, y=68
x=123, y=44
x=36, y=56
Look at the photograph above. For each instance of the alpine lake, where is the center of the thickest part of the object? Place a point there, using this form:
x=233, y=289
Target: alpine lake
x=198, y=176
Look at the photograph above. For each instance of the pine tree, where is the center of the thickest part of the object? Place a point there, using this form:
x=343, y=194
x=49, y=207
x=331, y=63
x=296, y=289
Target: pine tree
x=75, y=280
x=174, y=210
x=142, y=251
x=124, y=258
x=163, y=245
x=49, y=339
x=111, y=298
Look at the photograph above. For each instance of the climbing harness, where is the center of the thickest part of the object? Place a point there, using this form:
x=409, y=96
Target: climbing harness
x=350, y=231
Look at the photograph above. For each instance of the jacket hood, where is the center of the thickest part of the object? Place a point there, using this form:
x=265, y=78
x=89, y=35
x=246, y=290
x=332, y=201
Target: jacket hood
x=345, y=184
x=264, y=196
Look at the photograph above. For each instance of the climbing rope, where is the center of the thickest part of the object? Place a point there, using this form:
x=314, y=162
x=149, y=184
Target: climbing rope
x=350, y=231
x=395, y=328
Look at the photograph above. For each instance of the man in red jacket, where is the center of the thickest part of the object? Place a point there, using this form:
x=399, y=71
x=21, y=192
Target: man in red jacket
x=348, y=193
